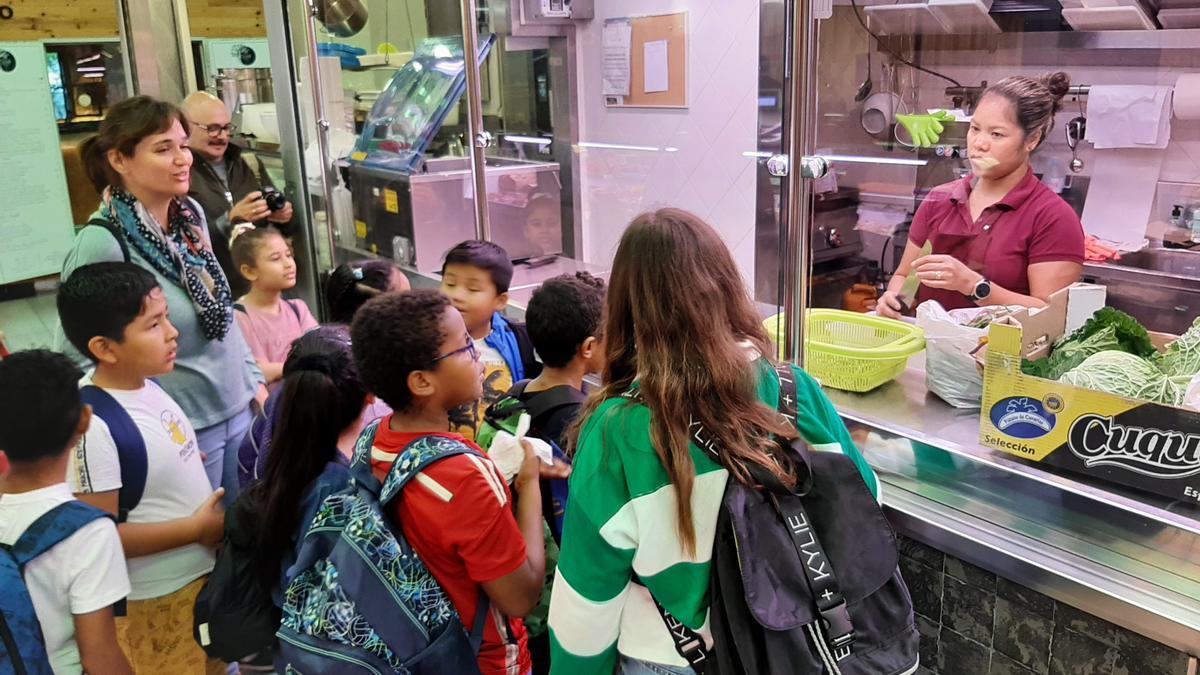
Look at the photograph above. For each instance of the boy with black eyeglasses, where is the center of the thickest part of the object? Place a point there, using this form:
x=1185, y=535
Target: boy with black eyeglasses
x=413, y=350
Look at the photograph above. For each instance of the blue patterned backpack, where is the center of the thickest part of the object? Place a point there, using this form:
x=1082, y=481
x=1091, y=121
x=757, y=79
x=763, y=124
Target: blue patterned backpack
x=358, y=599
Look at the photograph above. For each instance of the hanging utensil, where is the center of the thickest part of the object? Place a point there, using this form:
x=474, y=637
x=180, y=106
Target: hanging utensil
x=1076, y=130
x=342, y=18
x=864, y=89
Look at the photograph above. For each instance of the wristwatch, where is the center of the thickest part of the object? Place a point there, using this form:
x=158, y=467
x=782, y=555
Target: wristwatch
x=982, y=289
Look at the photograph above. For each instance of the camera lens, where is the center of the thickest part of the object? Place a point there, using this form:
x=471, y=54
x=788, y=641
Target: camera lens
x=275, y=199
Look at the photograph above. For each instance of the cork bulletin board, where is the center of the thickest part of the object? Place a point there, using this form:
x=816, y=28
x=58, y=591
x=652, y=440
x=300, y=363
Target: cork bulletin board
x=668, y=28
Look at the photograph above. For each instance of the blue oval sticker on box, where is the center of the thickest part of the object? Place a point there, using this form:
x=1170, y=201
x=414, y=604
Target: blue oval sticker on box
x=1022, y=417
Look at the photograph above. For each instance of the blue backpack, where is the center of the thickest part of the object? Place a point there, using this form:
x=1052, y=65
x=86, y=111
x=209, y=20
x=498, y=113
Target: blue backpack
x=22, y=647
x=358, y=598
x=131, y=446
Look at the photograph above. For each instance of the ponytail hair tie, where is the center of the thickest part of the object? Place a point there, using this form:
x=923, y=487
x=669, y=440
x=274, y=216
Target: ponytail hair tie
x=317, y=363
x=239, y=230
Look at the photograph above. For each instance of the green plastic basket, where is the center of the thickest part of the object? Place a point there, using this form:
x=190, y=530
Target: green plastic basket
x=853, y=351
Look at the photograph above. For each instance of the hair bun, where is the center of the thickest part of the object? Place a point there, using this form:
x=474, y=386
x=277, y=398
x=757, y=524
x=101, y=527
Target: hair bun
x=1059, y=83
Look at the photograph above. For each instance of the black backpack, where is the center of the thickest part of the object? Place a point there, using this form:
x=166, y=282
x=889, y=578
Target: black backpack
x=234, y=617
x=805, y=581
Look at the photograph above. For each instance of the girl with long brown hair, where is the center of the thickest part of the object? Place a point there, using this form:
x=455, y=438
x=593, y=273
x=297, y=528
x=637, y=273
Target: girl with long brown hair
x=684, y=346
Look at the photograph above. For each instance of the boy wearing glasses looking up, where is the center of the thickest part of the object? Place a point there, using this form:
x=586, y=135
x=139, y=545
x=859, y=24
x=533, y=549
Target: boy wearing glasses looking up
x=412, y=349
x=229, y=186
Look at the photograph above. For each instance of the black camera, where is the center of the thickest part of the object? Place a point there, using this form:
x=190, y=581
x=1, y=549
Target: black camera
x=274, y=199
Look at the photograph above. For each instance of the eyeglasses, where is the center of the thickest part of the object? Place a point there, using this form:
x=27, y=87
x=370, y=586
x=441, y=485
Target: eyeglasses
x=469, y=348
x=215, y=130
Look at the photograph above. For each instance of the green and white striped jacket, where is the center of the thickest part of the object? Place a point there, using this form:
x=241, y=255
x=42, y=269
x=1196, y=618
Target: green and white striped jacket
x=621, y=522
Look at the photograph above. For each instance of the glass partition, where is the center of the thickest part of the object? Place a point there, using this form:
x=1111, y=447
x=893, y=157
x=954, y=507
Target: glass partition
x=900, y=119
x=569, y=162
x=391, y=85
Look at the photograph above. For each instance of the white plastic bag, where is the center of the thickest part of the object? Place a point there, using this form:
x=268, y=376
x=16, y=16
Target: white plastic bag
x=508, y=453
x=950, y=370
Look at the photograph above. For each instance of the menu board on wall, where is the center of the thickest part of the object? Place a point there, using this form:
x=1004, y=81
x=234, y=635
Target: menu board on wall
x=35, y=209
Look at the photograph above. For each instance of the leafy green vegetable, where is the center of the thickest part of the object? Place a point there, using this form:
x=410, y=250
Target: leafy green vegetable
x=1182, y=358
x=1107, y=329
x=1123, y=374
x=1071, y=354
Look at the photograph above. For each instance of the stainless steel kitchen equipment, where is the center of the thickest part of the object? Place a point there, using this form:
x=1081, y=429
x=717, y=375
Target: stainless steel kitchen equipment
x=413, y=208
x=241, y=86
x=415, y=218
x=1158, y=287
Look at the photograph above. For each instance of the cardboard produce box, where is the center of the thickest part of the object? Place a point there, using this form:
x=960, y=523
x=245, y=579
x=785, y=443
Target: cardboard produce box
x=1144, y=445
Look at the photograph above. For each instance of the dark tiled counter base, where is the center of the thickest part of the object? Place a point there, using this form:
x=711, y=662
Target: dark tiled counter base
x=975, y=623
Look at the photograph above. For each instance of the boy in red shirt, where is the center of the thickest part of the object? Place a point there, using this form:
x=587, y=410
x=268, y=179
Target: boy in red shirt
x=412, y=350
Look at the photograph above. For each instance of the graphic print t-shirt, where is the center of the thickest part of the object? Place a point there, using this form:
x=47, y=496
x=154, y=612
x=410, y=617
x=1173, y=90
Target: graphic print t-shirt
x=176, y=484
x=497, y=380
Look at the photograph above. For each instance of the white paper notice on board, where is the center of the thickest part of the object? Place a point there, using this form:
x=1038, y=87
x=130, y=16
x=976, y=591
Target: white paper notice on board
x=618, y=35
x=656, y=74
x=36, y=225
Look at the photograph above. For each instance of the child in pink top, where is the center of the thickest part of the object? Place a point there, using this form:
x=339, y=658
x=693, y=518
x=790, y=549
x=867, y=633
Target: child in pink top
x=268, y=321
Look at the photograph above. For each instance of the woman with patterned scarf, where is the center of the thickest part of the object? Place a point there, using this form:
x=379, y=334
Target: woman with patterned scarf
x=140, y=162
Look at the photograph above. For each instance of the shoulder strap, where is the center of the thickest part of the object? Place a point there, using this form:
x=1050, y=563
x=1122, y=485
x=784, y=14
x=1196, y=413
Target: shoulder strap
x=131, y=447
x=51, y=528
x=543, y=402
x=688, y=643
x=835, y=627
x=360, y=461
x=252, y=163
x=295, y=311
x=115, y=231
x=415, y=458
x=529, y=361
x=537, y=404
x=518, y=388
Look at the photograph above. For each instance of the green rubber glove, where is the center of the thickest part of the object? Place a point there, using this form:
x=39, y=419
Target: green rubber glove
x=925, y=129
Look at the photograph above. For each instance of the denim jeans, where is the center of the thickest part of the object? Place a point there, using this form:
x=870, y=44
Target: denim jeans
x=220, y=443
x=631, y=666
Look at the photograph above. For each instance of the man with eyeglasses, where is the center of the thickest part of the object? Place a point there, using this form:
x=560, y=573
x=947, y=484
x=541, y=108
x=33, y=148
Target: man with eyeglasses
x=228, y=185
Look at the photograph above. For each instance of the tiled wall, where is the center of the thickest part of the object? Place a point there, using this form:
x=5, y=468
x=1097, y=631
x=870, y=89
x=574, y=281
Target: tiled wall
x=973, y=622
x=690, y=158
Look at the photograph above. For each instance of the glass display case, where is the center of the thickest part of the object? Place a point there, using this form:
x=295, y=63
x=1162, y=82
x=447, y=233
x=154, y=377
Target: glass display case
x=412, y=208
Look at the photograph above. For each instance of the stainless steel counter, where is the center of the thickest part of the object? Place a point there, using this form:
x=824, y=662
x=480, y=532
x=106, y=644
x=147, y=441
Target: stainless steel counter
x=1128, y=558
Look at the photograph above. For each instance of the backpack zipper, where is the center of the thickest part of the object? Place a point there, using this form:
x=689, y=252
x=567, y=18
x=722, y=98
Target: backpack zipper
x=326, y=652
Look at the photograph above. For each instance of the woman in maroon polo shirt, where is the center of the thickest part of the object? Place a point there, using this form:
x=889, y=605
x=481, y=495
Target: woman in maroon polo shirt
x=998, y=236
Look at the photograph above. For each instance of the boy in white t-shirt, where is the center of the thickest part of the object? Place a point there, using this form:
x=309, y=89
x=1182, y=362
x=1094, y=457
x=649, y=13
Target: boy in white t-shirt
x=74, y=584
x=117, y=315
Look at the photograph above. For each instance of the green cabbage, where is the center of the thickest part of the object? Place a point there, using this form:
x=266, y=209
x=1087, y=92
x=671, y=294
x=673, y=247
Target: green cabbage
x=1072, y=353
x=1123, y=374
x=1182, y=358
x=1107, y=329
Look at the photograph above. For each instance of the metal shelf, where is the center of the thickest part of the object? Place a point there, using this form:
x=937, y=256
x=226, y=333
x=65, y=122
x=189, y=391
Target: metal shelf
x=1179, y=38
x=1171, y=49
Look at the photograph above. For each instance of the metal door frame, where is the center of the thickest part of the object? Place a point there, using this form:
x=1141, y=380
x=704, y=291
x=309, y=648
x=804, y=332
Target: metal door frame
x=785, y=232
